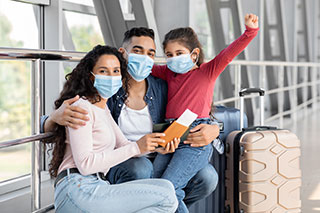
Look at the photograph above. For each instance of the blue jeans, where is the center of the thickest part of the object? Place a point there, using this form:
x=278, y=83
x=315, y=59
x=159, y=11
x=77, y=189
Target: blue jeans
x=200, y=186
x=78, y=193
x=179, y=167
x=133, y=169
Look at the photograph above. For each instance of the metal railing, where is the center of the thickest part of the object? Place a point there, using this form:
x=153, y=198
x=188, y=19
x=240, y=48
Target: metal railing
x=311, y=78
x=37, y=56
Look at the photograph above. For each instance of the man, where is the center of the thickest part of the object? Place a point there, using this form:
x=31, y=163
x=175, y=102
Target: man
x=139, y=104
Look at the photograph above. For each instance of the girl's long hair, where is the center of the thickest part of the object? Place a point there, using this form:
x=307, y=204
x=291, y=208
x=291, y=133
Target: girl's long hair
x=186, y=37
x=80, y=82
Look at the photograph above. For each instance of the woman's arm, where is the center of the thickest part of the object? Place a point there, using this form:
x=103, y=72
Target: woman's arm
x=89, y=161
x=146, y=144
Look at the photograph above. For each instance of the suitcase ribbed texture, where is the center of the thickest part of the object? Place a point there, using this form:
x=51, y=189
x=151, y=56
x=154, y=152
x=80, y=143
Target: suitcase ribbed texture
x=269, y=175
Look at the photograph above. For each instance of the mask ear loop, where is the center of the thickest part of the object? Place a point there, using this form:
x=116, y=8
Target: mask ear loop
x=126, y=51
x=196, y=58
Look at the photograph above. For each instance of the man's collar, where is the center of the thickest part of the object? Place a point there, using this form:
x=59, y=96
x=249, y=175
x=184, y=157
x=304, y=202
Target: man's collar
x=122, y=94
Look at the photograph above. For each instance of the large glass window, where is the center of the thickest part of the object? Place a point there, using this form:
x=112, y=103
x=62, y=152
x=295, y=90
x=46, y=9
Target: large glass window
x=18, y=28
x=199, y=21
x=84, y=2
x=85, y=30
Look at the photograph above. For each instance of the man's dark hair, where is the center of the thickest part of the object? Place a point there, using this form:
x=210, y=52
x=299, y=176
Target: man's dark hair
x=137, y=31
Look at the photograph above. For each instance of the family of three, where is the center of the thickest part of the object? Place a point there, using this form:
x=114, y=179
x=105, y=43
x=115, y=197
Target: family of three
x=104, y=157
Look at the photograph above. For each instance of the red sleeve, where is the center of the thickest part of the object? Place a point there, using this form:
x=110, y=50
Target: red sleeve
x=160, y=71
x=219, y=63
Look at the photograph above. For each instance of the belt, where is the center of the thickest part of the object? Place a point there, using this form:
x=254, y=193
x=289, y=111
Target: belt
x=64, y=173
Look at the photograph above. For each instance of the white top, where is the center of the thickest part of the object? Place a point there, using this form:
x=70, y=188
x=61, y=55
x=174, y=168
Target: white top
x=97, y=146
x=135, y=123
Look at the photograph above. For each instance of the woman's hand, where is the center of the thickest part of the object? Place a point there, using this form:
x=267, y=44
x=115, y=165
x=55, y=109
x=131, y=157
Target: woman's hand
x=149, y=142
x=68, y=115
x=251, y=20
x=170, y=147
x=202, y=135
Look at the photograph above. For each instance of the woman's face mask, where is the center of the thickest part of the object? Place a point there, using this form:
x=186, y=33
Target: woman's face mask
x=139, y=66
x=107, y=86
x=181, y=64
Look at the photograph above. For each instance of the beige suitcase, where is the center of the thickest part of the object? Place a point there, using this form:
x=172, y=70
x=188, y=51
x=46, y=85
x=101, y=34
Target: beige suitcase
x=263, y=168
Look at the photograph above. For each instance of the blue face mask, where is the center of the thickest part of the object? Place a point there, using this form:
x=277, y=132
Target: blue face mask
x=139, y=66
x=181, y=64
x=107, y=86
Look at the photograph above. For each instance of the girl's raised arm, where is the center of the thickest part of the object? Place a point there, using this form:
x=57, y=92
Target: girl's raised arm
x=219, y=63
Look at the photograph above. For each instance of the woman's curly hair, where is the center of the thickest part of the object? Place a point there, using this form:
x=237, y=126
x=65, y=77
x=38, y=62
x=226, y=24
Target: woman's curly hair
x=80, y=82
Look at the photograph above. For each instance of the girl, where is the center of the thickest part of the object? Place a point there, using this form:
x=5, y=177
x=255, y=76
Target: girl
x=83, y=156
x=190, y=86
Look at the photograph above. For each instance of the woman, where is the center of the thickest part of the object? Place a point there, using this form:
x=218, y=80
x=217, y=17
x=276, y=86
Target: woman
x=82, y=157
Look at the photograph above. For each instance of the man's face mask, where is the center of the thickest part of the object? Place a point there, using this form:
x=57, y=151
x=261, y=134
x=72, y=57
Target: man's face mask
x=139, y=66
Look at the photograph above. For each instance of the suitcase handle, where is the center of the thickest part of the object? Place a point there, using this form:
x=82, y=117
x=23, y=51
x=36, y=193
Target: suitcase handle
x=259, y=128
x=248, y=91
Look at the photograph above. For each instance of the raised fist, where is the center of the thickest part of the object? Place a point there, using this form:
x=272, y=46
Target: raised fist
x=251, y=20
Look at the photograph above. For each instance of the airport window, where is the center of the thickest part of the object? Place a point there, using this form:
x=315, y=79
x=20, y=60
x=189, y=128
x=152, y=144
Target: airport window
x=15, y=111
x=84, y=2
x=85, y=30
x=199, y=21
x=126, y=8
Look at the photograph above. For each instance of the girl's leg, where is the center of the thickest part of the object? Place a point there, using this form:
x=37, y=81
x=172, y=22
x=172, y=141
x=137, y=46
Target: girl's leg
x=133, y=169
x=184, y=164
x=79, y=193
x=160, y=164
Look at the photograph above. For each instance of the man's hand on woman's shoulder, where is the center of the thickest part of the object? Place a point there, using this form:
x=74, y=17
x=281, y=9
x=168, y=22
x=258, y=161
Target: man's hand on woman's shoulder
x=68, y=115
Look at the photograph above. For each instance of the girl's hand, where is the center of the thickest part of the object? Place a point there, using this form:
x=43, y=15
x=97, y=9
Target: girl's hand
x=149, y=142
x=251, y=20
x=202, y=135
x=170, y=147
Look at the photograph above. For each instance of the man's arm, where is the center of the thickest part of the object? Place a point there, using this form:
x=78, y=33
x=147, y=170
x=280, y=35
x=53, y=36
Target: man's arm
x=202, y=135
x=65, y=115
x=47, y=125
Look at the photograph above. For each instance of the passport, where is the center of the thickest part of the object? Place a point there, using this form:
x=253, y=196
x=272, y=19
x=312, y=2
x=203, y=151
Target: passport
x=177, y=129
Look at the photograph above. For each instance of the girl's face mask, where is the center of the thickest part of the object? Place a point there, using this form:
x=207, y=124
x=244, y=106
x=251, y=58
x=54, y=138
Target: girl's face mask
x=181, y=64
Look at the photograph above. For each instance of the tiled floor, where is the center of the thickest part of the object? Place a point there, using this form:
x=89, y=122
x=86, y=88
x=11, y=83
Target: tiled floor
x=308, y=130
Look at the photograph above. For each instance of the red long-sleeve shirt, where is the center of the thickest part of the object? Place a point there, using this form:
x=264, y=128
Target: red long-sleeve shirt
x=194, y=89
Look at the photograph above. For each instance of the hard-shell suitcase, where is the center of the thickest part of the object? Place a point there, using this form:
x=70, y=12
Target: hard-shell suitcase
x=228, y=119
x=263, y=169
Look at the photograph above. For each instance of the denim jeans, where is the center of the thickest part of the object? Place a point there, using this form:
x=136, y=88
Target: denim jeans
x=179, y=167
x=200, y=186
x=78, y=193
x=133, y=169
